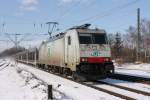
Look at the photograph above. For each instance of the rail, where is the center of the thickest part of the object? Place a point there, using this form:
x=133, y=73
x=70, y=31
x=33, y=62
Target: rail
x=130, y=78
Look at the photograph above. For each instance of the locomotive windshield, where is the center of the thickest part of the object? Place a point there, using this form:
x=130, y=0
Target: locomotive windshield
x=92, y=38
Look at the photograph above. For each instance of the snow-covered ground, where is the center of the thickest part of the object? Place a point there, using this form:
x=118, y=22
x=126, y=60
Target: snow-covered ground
x=133, y=85
x=16, y=84
x=123, y=92
x=72, y=90
x=142, y=70
x=22, y=82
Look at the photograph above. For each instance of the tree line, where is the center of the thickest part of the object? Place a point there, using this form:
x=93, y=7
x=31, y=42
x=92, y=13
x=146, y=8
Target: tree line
x=11, y=51
x=124, y=46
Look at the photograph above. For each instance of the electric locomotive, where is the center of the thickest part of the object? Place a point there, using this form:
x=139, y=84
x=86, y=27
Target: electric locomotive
x=81, y=52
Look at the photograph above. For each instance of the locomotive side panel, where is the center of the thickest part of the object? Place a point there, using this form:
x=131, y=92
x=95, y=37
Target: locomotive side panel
x=42, y=53
x=52, y=53
x=72, y=54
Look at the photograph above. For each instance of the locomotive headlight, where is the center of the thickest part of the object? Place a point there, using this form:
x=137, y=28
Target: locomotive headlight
x=83, y=59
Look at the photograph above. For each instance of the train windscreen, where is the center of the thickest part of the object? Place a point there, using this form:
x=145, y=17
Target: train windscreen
x=92, y=38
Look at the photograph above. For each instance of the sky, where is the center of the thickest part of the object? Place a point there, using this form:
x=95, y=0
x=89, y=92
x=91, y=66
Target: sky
x=30, y=16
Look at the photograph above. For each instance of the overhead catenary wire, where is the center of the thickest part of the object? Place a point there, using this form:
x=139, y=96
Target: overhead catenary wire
x=122, y=24
x=89, y=4
x=68, y=10
x=17, y=41
x=71, y=9
x=37, y=27
x=108, y=13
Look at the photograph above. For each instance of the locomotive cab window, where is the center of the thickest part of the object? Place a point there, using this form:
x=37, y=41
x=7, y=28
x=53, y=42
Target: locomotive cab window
x=85, y=38
x=92, y=38
x=99, y=38
x=69, y=40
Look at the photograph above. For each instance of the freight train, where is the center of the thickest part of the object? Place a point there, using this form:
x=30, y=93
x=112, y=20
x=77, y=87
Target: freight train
x=80, y=52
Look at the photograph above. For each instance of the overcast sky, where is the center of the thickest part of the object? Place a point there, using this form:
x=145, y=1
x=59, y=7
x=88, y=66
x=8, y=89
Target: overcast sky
x=30, y=16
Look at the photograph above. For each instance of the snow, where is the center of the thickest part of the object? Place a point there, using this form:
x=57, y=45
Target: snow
x=142, y=70
x=72, y=90
x=124, y=92
x=22, y=82
x=133, y=85
x=14, y=87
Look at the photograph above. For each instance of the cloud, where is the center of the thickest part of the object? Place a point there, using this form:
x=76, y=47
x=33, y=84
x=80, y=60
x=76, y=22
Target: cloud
x=29, y=4
x=26, y=5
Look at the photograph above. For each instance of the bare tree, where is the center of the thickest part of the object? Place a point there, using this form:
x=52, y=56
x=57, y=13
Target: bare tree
x=131, y=37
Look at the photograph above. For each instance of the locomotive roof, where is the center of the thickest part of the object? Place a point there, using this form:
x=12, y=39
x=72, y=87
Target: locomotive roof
x=58, y=36
x=85, y=29
x=91, y=31
x=79, y=30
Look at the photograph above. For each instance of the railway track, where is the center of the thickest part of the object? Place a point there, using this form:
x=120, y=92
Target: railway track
x=6, y=65
x=131, y=78
x=98, y=83
x=2, y=64
x=125, y=88
x=124, y=93
x=107, y=91
x=92, y=86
